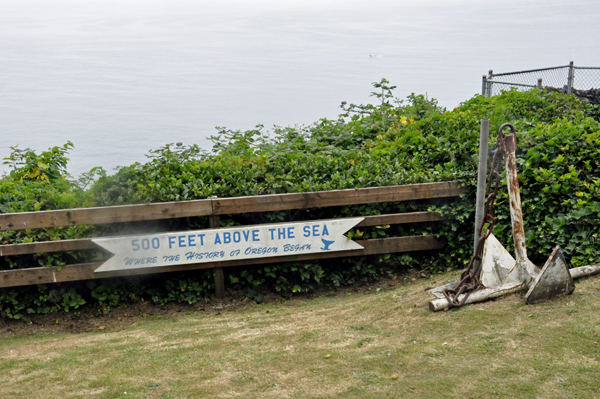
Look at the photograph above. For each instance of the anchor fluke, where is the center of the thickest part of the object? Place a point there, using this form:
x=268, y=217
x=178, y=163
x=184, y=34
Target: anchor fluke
x=554, y=279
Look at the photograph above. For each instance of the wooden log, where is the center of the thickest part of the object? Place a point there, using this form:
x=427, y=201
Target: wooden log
x=86, y=243
x=494, y=292
x=103, y=215
x=584, y=271
x=278, y=202
x=478, y=296
x=45, y=275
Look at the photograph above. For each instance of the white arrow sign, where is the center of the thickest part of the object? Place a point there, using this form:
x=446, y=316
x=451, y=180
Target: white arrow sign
x=215, y=245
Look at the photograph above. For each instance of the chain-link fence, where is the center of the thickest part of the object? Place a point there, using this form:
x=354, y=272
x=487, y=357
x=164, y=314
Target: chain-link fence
x=583, y=81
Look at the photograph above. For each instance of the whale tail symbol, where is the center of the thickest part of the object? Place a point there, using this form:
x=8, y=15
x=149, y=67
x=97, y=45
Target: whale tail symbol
x=327, y=244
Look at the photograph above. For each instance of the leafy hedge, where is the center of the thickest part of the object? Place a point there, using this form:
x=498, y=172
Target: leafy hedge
x=394, y=142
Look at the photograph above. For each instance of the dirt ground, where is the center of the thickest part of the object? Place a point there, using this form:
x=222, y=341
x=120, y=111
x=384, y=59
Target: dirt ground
x=83, y=320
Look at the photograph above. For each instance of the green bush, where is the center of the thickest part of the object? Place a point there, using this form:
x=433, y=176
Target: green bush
x=409, y=141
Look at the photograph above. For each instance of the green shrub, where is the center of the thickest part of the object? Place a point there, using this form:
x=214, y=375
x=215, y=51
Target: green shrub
x=410, y=141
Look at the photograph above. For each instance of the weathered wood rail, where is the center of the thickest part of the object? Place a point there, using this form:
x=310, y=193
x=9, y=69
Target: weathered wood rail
x=213, y=207
x=225, y=206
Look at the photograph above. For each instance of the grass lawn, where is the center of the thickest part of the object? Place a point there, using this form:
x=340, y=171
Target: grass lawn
x=382, y=343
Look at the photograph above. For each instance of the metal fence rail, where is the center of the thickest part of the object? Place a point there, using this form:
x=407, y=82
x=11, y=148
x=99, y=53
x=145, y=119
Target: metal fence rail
x=567, y=78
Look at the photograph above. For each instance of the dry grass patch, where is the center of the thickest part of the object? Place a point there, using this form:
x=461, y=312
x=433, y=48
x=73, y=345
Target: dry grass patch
x=501, y=349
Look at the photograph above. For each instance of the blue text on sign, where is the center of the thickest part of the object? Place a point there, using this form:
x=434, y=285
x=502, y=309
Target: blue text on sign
x=188, y=240
x=315, y=231
x=282, y=233
x=237, y=236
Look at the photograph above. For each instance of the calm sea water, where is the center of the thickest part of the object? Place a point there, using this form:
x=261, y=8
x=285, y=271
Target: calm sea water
x=118, y=78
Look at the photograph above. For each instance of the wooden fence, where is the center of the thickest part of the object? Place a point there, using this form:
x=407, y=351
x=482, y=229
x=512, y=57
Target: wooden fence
x=213, y=207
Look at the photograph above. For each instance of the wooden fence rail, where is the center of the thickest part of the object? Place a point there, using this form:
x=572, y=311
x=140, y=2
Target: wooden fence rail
x=85, y=271
x=214, y=207
x=225, y=206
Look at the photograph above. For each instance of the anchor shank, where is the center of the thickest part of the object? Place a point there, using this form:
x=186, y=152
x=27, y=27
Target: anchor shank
x=516, y=214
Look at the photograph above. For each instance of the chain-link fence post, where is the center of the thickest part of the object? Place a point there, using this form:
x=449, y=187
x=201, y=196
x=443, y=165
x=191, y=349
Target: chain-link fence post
x=489, y=83
x=483, y=85
x=484, y=134
x=570, y=79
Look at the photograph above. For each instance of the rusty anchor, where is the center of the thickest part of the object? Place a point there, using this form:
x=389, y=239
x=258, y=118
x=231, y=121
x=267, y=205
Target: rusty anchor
x=493, y=272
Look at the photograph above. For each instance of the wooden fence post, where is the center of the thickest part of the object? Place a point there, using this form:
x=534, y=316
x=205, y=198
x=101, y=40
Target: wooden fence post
x=213, y=222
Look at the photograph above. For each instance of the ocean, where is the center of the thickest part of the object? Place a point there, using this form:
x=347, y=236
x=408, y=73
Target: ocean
x=119, y=78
